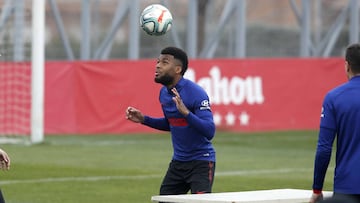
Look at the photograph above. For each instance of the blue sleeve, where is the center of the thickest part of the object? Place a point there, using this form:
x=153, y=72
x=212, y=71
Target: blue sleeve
x=322, y=157
x=200, y=116
x=157, y=123
x=327, y=134
x=202, y=121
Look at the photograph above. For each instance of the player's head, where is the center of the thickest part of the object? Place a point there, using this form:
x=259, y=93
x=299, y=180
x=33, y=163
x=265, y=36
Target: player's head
x=352, y=57
x=179, y=55
x=171, y=66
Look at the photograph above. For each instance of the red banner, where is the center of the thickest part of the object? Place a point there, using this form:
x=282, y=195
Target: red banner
x=268, y=94
x=245, y=94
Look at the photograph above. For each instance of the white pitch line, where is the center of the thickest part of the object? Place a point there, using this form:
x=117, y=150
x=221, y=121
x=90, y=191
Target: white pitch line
x=262, y=171
x=142, y=177
x=70, y=179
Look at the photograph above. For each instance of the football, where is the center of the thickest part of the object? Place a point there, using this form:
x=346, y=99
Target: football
x=156, y=20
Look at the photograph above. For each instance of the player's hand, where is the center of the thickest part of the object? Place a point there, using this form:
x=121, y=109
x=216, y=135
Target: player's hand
x=4, y=160
x=316, y=197
x=179, y=103
x=134, y=115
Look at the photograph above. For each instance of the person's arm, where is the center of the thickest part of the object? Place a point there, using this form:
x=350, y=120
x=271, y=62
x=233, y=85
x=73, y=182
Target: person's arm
x=203, y=122
x=4, y=160
x=201, y=119
x=327, y=134
x=322, y=160
x=157, y=123
x=322, y=157
x=136, y=116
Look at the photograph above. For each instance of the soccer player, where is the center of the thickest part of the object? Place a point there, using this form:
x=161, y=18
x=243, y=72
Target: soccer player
x=187, y=115
x=340, y=118
x=4, y=165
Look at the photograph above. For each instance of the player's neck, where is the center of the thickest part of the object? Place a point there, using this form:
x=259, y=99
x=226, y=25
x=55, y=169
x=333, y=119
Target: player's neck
x=175, y=81
x=350, y=76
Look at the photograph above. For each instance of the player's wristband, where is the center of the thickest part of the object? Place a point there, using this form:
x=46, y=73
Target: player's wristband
x=317, y=191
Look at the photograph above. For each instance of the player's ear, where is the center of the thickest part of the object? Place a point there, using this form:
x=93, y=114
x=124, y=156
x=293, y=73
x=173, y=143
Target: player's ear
x=347, y=67
x=178, y=69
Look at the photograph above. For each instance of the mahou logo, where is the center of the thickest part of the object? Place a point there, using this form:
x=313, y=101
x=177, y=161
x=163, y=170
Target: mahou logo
x=224, y=90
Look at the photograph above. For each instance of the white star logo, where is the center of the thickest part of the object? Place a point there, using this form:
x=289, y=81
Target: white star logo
x=244, y=118
x=230, y=118
x=217, y=118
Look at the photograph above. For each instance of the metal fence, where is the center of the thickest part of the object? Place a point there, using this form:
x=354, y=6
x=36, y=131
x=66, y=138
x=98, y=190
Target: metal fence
x=109, y=29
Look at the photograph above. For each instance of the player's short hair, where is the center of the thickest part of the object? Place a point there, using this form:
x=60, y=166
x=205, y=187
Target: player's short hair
x=352, y=57
x=178, y=54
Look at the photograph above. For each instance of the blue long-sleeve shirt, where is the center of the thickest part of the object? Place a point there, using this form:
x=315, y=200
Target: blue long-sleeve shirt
x=191, y=135
x=340, y=117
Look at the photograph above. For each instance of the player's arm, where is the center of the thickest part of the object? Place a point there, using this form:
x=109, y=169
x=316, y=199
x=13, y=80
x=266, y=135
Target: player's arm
x=157, y=123
x=322, y=157
x=327, y=134
x=136, y=116
x=201, y=119
x=322, y=160
x=4, y=160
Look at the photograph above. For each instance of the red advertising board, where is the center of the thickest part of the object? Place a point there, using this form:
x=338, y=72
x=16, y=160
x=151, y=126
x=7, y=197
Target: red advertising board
x=245, y=94
x=268, y=94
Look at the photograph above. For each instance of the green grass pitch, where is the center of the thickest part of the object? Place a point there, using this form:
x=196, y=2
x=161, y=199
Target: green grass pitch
x=129, y=168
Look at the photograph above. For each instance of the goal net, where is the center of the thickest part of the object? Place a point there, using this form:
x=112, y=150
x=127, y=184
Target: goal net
x=21, y=72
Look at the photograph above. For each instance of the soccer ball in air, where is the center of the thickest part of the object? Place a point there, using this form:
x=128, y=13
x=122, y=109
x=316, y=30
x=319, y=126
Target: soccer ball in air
x=156, y=20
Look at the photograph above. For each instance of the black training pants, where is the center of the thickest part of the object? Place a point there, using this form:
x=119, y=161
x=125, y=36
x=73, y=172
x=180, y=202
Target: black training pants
x=196, y=176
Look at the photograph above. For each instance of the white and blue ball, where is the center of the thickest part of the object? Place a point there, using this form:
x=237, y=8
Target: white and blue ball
x=156, y=20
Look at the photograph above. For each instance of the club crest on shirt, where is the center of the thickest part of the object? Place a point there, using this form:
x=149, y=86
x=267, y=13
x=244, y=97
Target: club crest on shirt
x=205, y=104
